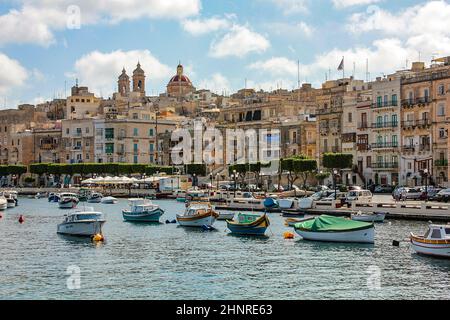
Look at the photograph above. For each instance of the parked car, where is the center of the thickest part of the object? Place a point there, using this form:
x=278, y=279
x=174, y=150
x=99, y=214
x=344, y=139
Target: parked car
x=413, y=194
x=443, y=195
x=359, y=196
x=383, y=189
x=398, y=191
x=433, y=194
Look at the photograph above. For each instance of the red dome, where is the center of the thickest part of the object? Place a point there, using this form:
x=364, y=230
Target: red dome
x=181, y=78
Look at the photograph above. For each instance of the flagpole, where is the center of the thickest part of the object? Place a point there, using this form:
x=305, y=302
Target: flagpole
x=343, y=68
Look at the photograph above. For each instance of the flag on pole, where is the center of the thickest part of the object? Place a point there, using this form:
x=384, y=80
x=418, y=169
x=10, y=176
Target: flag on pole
x=341, y=66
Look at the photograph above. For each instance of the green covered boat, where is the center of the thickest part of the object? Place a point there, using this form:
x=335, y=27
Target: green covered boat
x=336, y=229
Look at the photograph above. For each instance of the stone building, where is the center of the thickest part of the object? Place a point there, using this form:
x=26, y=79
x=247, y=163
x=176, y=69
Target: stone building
x=180, y=85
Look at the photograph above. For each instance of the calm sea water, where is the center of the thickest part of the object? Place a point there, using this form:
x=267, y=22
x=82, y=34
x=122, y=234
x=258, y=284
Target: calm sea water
x=171, y=262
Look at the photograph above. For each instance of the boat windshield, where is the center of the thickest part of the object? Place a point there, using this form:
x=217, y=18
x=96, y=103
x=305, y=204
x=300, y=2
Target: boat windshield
x=88, y=216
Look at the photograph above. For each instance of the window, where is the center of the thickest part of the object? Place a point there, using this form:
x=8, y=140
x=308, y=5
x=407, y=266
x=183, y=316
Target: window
x=135, y=148
x=87, y=130
x=411, y=97
x=78, y=132
x=135, y=116
x=99, y=132
x=442, y=133
x=441, y=110
x=135, y=132
x=394, y=119
x=426, y=94
x=350, y=117
x=135, y=159
x=109, y=148
x=152, y=147
x=67, y=131
x=369, y=161
x=379, y=121
x=88, y=143
x=150, y=132
x=99, y=147
x=379, y=101
x=109, y=133
x=441, y=90
x=87, y=156
x=386, y=100
x=394, y=100
x=294, y=137
x=409, y=166
x=436, y=234
x=394, y=141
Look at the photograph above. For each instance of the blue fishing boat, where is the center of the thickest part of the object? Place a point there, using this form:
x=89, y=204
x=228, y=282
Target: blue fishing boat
x=249, y=224
x=142, y=210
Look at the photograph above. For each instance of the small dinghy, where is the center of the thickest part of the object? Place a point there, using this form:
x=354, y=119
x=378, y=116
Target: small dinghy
x=68, y=201
x=369, y=217
x=335, y=229
x=225, y=216
x=435, y=242
x=249, y=224
x=109, y=200
x=95, y=197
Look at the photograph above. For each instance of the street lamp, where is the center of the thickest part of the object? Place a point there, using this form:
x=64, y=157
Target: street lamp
x=335, y=186
x=218, y=180
x=425, y=173
x=194, y=183
x=143, y=178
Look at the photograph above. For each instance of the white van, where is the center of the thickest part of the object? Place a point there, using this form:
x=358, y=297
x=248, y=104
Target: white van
x=359, y=196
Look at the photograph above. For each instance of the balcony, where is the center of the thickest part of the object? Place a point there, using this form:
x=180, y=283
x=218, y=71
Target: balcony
x=384, y=145
x=385, y=165
x=441, y=163
x=384, y=125
x=421, y=124
x=422, y=101
x=363, y=126
x=387, y=104
x=363, y=147
x=48, y=146
x=408, y=149
x=424, y=147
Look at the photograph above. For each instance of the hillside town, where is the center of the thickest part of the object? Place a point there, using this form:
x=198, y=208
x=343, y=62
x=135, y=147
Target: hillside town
x=396, y=127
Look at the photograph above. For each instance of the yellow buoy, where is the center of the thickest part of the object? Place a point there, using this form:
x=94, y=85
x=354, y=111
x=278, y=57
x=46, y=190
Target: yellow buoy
x=98, y=237
x=288, y=235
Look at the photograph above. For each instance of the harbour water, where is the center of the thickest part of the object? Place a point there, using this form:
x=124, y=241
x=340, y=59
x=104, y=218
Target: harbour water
x=170, y=262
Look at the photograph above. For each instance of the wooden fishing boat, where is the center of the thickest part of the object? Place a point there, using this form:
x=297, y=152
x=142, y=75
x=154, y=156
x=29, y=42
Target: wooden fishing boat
x=197, y=215
x=225, y=216
x=369, y=217
x=435, y=242
x=291, y=222
x=336, y=229
x=249, y=224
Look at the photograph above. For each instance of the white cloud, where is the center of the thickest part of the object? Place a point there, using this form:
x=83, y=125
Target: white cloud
x=199, y=27
x=292, y=6
x=37, y=20
x=239, y=42
x=423, y=27
x=13, y=74
x=276, y=66
x=217, y=83
x=350, y=3
x=100, y=70
x=301, y=29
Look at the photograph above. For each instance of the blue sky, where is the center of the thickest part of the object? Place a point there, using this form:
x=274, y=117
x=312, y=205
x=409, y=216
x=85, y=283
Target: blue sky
x=220, y=42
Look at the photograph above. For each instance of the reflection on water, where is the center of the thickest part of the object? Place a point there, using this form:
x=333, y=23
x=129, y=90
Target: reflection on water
x=166, y=261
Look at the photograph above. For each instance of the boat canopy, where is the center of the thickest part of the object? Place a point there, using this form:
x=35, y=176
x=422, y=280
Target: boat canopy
x=326, y=223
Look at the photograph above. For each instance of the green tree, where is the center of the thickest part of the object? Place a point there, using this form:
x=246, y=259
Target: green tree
x=305, y=167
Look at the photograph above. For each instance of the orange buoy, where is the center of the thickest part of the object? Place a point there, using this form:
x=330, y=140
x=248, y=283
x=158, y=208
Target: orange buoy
x=21, y=219
x=288, y=235
x=98, y=238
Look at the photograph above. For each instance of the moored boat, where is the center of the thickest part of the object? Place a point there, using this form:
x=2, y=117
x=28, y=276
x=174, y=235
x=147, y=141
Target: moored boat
x=95, y=197
x=435, y=242
x=53, y=197
x=197, y=215
x=109, y=200
x=369, y=217
x=3, y=203
x=249, y=224
x=86, y=223
x=336, y=229
x=291, y=222
x=68, y=201
x=142, y=210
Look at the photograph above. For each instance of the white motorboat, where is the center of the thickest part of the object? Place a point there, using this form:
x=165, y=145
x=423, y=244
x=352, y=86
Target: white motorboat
x=142, y=210
x=109, y=200
x=11, y=198
x=369, y=217
x=249, y=202
x=435, y=242
x=3, y=203
x=86, y=223
x=68, y=200
x=198, y=215
x=95, y=197
x=336, y=229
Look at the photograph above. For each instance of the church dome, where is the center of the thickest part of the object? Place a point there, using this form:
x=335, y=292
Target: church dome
x=181, y=78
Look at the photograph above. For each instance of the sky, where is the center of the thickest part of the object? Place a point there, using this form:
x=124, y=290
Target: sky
x=45, y=45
